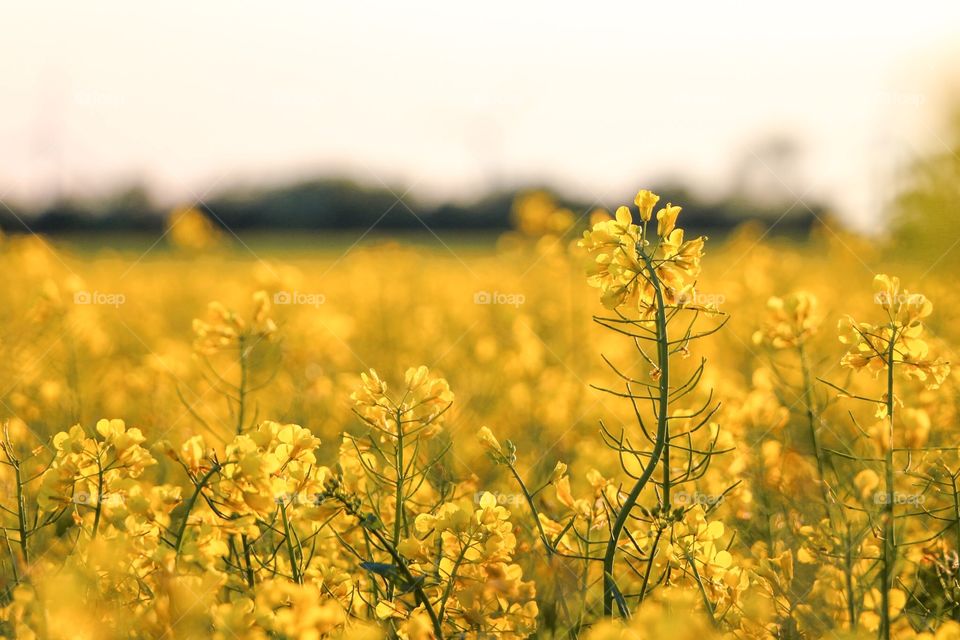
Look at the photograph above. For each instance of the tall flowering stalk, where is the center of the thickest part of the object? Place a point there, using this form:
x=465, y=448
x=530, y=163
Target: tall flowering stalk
x=223, y=331
x=434, y=560
x=791, y=321
x=647, y=280
x=896, y=343
x=790, y=324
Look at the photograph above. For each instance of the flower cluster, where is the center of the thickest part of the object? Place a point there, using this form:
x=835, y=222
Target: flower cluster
x=628, y=268
x=471, y=554
x=896, y=342
x=93, y=473
x=223, y=328
x=790, y=321
x=419, y=412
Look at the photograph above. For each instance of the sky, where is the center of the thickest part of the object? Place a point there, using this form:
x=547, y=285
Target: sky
x=448, y=99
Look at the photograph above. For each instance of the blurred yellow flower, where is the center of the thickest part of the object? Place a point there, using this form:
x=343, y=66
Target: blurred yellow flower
x=189, y=228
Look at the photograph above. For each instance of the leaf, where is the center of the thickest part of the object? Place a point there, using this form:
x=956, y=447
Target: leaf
x=619, y=599
x=392, y=574
x=381, y=569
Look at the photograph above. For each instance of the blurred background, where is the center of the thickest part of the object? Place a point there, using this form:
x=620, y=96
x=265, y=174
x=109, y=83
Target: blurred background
x=432, y=116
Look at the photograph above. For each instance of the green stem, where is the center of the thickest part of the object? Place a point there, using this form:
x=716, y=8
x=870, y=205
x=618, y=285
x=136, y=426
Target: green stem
x=398, y=496
x=533, y=509
x=190, y=504
x=809, y=401
x=889, y=531
x=247, y=560
x=703, y=591
x=288, y=539
x=242, y=389
x=98, y=510
x=21, y=514
x=956, y=512
x=451, y=578
x=848, y=574
x=646, y=574
x=13, y=565
x=630, y=501
x=584, y=582
x=665, y=505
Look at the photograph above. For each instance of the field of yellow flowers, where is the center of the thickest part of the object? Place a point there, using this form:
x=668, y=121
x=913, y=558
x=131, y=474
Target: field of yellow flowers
x=600, y=427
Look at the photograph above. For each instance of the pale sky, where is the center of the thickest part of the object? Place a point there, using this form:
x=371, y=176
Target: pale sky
x=449, y=98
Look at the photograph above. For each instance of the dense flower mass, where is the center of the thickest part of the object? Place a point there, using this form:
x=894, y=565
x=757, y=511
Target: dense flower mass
x=625, y=262
x=642, y=466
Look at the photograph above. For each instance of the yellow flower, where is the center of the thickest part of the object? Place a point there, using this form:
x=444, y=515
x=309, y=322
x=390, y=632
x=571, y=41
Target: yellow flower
x=193, y=452
x=297, y=443
x=224, y=329
x=897, y=342
x=790, y=321
x=115, y=432
x=189, y=228
x=645, y=201
x=667, y=220
x=489, y=440
x=420, y=411
x=559, y=471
